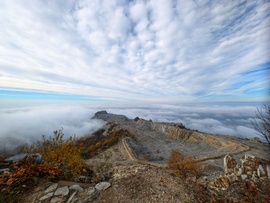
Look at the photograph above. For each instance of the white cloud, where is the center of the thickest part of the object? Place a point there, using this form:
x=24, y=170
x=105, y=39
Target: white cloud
x=27, y=125
x=139, y=50
x=33, y=119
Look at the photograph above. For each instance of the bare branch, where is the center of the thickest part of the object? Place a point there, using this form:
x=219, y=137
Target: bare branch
x=262, y=124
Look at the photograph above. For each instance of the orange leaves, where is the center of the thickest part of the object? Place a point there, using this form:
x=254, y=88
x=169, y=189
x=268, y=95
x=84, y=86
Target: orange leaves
x=61, y=157
x=182, y=165
x=25, y=170
x=58, y=150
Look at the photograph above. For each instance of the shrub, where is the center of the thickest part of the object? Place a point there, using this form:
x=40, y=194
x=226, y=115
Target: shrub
x=182, y=165
x=57, y=151
x=62, y=160
x=24, y=175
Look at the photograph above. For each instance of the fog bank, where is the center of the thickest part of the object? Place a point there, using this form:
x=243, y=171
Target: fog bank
x=27, y=124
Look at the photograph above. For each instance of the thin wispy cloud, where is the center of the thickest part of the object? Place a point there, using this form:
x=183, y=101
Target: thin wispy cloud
x=137, y=50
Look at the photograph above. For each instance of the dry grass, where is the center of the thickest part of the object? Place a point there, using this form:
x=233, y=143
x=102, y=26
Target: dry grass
x=182, y=165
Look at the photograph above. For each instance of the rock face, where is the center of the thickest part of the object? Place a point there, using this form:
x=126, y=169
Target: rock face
x=174, y=131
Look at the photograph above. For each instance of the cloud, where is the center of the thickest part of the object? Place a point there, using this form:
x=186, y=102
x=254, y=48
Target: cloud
x=136, y=50
x=28, y=124
x=31, y=120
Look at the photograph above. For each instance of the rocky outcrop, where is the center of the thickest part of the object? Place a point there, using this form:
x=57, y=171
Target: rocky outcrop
x=249, y=167
x=108, y=117
x=65, y=191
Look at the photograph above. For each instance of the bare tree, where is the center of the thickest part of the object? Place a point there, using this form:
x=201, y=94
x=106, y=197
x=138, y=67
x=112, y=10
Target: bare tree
x=262, y=123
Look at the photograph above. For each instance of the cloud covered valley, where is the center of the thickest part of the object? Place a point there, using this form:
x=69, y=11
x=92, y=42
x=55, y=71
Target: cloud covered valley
x=28, y=124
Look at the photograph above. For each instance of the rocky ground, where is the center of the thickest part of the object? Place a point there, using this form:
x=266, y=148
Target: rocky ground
x=134, y=170
x=154, y=141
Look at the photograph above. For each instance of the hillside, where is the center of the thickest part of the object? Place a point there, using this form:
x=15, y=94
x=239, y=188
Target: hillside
x=136, y=166
x=154, y=141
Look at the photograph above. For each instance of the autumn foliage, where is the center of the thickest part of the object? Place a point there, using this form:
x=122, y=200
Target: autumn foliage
x=61, y=160
x=57, y=151
x=26, y=172
x=183, y=165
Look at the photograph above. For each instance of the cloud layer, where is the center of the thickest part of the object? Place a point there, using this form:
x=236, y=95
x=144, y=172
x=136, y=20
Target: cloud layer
x=27, y=125
x=29, y=122
x=158, y=50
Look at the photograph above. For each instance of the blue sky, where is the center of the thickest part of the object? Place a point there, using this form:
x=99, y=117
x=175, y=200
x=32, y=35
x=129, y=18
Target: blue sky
x=135, y=51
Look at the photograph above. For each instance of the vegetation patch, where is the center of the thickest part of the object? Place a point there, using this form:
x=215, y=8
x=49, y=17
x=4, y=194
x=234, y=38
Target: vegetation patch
x=100, y=141
x=61, y=160
x=182, y=165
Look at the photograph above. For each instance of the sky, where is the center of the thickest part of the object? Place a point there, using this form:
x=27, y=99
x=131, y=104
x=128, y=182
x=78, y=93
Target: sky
x=159, y=51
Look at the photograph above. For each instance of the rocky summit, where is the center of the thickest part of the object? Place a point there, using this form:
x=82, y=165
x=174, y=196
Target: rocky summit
x=135, y=168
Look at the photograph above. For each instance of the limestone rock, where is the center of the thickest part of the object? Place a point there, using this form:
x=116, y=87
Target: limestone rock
x=90, y=190
x=244, y=177
x=102, y=185
x=51, y=188
x=47, y=196
x=229, y=164
x=254, y=176
x=260, y=171
x=62, y=191
x=57, y=200
x=71, y=198
x=76, y=187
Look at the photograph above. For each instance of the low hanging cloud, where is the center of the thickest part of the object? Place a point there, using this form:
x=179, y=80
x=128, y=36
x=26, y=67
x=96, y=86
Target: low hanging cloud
x=27, y=125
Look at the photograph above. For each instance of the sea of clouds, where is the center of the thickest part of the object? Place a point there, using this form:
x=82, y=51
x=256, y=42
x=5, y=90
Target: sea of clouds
x=28, y=124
